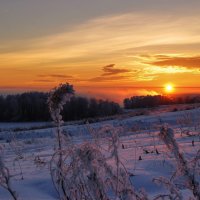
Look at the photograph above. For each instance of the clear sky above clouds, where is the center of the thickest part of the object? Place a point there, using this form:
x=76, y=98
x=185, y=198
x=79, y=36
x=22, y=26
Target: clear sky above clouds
x=100, y=46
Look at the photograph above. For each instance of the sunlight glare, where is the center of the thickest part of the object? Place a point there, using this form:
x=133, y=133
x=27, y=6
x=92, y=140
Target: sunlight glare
x=169, y=88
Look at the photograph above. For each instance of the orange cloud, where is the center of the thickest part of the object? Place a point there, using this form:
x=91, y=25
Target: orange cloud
x=110, y=70
x=187, y=62
x=107, y=78
x=111, y=74
x=57, y=76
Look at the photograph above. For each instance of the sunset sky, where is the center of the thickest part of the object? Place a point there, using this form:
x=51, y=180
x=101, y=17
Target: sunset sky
x=105, y=48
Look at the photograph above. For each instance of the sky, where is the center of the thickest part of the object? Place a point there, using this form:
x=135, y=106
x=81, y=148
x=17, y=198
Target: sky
x=106, y=48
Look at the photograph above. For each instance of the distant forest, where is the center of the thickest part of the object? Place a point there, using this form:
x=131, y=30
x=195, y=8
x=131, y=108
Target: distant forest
x=33, y=107
x=157, y=100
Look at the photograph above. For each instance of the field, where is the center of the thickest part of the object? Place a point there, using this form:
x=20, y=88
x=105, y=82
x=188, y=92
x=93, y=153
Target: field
x=28, y=148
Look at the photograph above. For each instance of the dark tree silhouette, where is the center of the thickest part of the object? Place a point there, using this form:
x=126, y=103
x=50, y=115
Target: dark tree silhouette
x=32, y=106
x=153, y=101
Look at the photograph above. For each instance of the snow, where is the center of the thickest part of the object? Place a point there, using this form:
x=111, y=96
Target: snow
x=139, y=139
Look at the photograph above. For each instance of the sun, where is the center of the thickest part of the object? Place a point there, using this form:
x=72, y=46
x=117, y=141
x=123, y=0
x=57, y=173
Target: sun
x=169, y=88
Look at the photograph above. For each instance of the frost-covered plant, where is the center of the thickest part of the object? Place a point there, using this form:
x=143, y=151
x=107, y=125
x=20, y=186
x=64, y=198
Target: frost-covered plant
x=57, y=99
x=167, y=136
x=5, y=177
x=86, y=174
x=82, y=172
x=113, y=145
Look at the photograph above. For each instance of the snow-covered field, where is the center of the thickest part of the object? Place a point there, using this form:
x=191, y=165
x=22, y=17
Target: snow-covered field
x=27, y=152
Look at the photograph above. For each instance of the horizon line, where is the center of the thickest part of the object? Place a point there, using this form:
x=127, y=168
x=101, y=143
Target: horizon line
x=136, y=87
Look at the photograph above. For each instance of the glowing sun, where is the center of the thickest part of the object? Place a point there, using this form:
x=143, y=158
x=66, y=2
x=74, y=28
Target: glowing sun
x=169, y=88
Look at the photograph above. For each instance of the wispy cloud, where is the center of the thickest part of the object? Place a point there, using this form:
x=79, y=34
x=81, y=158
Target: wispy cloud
x=110, y=70
x=187, y=62
x=111, y=73
x=106, y=36
x=107, y=78
x=155, y=66
x=56, y=76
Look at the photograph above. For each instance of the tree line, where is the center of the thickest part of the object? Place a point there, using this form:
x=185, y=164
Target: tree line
x=157, y=100
x=32, y=106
